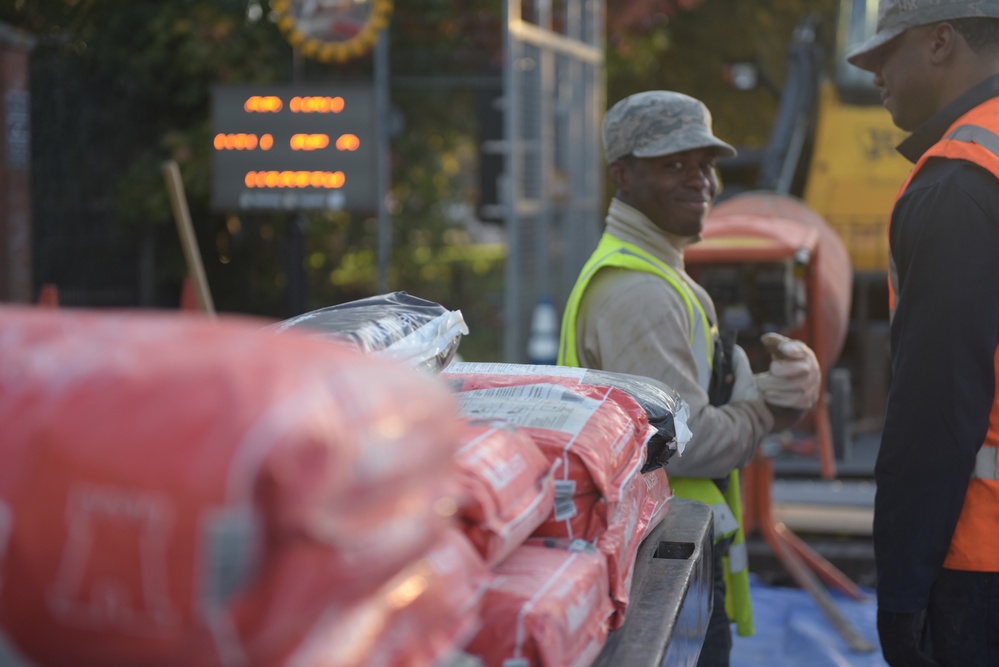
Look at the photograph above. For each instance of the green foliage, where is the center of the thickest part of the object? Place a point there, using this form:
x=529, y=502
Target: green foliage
x=119, y=87
x=688, y=51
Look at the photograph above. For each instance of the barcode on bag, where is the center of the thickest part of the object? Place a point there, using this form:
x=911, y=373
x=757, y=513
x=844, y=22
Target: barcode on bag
x=565, y=488
x=565, y=508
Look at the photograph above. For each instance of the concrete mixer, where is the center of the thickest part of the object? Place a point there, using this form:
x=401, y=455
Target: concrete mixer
x=772, y=264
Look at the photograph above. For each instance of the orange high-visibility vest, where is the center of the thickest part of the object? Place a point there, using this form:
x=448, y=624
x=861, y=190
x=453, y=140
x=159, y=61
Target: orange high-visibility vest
x=973, y=137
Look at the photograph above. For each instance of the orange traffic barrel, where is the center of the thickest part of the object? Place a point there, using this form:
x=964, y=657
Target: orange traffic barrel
x=48, y=296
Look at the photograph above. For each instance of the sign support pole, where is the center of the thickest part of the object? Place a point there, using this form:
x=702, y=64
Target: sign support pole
x=295, y=240
x=382, y=158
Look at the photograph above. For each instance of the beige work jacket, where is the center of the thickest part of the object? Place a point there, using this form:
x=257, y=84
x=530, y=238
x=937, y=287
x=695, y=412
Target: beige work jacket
x=635, y=322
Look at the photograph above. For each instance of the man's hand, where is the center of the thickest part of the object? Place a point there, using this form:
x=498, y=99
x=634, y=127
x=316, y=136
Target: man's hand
x=744, y=385
x=899, y=634
x=794, y=379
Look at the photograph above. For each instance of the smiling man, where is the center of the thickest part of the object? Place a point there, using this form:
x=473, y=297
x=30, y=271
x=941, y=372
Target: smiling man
x=635, y=310
x=936, y=512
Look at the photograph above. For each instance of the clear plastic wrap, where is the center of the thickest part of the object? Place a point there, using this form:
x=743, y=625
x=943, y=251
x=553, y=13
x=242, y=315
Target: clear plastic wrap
x=398, y=325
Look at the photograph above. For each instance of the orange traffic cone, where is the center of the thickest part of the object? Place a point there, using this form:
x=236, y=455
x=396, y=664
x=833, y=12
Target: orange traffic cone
x=48, y=296
x=188, y=297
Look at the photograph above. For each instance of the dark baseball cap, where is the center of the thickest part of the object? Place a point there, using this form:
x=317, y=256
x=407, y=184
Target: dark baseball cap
x=897, y=16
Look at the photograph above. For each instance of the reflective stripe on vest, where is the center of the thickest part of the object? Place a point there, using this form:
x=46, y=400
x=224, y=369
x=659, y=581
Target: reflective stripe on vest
x=974, y=137
x=976, y=134
x=738, y=558
x=725, y=522
x=987, y=464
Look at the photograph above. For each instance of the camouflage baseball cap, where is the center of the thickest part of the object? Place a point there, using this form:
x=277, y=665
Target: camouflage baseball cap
x=897, y=16
x=659, y=122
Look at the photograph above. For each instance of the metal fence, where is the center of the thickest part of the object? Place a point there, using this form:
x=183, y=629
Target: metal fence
x=554, y=98
x=85, y=125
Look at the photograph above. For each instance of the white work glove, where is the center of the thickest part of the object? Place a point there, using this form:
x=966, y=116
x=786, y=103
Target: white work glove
x=744, y=385
x=794, y=379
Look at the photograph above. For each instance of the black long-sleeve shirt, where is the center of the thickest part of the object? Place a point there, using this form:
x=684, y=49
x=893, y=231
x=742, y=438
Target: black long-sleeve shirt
x=945, y=241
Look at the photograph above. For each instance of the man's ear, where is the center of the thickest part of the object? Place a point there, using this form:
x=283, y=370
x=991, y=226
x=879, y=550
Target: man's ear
x=618, y=172
x=944, y=42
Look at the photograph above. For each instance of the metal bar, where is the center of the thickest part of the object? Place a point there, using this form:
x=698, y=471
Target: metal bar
x=823, y=430
x=546, y=95
x=511, y=193
x=826, y=571
x=383, y=177
x=808, y=581
x=532, y=34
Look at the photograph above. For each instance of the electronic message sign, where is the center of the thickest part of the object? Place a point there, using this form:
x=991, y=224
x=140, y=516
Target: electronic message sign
x=294, y=147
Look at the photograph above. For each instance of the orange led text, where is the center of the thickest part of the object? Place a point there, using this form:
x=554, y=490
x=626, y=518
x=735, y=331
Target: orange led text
x=348, y=142
x=263, y=104
x=242, y=142
x=309, y=142
x=330, y=180
x=316, y=104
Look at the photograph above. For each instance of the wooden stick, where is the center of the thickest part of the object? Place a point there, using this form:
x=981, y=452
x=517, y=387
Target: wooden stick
x=181, y=214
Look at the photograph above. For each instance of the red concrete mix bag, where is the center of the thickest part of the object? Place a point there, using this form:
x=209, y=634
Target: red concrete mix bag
x=616, y=529
x=182, y=491
x=584, y=516
x=546, y=607
x=586, y=429
x=666, y=411
x=657, y=494
x=641, y=505
x=507, y=485
x=419, y=618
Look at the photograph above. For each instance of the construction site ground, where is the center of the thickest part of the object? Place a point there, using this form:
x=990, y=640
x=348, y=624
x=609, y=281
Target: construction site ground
x=834, y=517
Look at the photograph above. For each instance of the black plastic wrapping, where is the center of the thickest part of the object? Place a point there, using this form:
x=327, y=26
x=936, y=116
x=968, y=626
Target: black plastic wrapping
x=661, y=403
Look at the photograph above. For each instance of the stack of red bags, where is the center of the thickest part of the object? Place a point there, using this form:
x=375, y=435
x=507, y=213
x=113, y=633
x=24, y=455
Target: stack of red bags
x=559, y=593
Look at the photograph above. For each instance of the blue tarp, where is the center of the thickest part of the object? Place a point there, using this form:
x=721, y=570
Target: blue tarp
x=792, y=630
